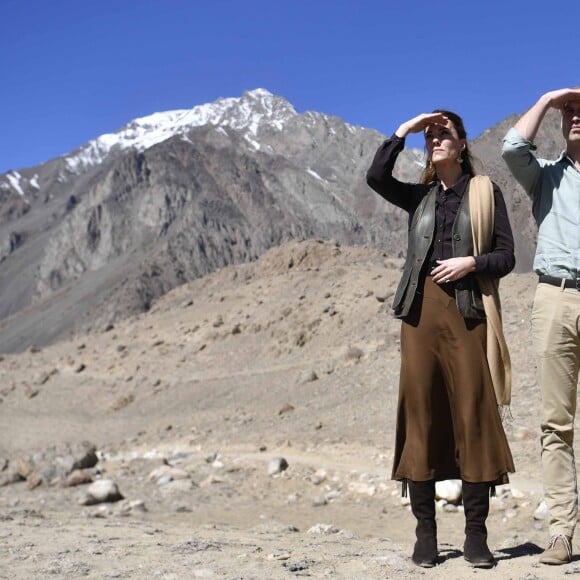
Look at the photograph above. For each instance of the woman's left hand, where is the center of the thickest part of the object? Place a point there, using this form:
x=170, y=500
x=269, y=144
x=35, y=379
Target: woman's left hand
x=453, y=269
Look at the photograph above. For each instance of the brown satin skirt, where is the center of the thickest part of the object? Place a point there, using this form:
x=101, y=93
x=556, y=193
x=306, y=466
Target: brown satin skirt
x=448, y=423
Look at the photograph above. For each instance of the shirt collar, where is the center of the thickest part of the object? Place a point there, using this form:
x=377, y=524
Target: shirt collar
x=566, y=160
x=459, y=186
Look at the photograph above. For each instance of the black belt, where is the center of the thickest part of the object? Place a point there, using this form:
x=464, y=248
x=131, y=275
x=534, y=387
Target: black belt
x=568, y=283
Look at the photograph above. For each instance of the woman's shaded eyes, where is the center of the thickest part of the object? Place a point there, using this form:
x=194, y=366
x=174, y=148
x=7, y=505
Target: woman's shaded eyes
x=430, y=135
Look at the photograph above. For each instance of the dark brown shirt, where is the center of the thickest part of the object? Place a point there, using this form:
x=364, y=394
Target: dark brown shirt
x=497, y=263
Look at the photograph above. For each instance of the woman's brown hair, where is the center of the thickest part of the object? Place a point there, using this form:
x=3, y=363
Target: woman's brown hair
x=429, y=174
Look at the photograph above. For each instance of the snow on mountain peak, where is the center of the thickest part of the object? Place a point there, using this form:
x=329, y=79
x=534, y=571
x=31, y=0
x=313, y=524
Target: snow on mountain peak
x=14, y=178
x=246, y=114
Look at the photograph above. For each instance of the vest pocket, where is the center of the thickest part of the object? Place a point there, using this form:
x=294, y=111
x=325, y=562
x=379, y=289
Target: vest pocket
x=477, y=302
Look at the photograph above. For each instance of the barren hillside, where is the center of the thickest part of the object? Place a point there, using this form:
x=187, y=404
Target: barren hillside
x=294, y=355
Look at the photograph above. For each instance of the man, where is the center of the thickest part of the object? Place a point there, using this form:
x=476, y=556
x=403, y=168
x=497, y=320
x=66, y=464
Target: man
x=554, y=187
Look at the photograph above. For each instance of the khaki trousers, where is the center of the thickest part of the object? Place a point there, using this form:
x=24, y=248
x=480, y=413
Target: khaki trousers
x=556, y=339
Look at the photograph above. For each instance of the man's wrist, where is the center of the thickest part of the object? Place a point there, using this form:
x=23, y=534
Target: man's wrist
x=550, y=100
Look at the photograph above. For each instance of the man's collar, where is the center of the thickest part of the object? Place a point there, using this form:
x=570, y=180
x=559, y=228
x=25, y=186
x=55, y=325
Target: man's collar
x=564, y=157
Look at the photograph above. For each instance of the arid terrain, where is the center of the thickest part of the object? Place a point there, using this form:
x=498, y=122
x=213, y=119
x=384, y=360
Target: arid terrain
x=191, y=408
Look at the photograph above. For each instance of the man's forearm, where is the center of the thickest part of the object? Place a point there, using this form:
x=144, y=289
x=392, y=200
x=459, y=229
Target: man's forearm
x=529, y=122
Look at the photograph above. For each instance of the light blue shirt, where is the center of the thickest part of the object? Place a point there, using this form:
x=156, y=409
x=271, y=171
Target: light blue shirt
x=554, y=188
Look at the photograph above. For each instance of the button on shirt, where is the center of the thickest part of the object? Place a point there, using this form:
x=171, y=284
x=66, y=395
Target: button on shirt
x=446, y=208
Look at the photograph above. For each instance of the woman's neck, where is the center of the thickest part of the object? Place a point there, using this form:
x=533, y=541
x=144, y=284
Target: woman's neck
x=448, y=174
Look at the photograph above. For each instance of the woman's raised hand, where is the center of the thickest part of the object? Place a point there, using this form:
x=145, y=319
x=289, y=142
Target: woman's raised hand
x=420, y=123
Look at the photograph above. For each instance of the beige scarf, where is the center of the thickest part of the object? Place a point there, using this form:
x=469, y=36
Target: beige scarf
x=481, y=208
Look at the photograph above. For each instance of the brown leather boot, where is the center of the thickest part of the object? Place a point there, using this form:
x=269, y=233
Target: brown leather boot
x=422, y=494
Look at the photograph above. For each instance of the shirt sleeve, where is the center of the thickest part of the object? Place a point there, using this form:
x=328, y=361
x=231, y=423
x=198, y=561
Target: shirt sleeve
x=517, y=153
x=501, y=260
x=380, y=177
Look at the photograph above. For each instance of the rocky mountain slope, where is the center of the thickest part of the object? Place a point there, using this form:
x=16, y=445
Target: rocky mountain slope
x=103, y=232
x=106, y=230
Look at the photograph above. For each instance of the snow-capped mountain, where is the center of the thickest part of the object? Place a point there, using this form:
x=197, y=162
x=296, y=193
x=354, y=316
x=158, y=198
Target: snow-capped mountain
x=257, y=116
x=103, y=231
x=172, y=196
x=247, y=114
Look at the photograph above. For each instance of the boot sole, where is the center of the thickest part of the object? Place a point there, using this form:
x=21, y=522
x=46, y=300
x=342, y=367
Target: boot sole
x=555, y=562
x=425, y=564
x=485, y=565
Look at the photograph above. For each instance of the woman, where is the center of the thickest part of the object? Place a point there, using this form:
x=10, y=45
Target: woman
x=448, y=422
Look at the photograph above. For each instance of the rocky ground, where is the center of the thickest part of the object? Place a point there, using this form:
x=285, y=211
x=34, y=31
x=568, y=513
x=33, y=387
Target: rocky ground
x=243, y=428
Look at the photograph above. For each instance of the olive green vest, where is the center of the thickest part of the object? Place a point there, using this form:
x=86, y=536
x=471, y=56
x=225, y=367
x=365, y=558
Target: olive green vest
x=421, y=232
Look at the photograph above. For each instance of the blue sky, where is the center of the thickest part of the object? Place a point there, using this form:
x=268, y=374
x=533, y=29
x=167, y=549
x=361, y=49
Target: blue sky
x=73, y=70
